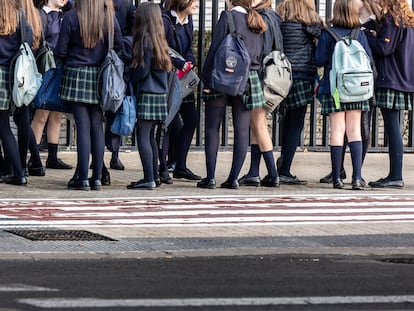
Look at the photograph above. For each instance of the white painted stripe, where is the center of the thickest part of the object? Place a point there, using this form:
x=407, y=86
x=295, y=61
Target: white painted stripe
x=24, y=288
x=205, y=302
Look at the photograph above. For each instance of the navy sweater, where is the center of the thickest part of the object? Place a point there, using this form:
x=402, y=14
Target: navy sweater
x=124, y=11
x=9, y=45
x=70, y=44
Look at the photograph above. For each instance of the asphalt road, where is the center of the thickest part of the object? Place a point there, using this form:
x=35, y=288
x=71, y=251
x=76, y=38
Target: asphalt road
x=277, y=282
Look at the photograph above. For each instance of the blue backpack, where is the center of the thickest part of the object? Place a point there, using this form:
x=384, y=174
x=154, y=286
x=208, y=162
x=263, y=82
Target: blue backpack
x=231, y=63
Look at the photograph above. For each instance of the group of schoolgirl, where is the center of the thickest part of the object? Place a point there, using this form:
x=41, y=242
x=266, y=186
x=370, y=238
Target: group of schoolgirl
x=82, y=45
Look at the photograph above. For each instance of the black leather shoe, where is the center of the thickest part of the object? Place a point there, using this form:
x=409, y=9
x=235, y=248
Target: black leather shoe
x=14, y=180
x=230, y=184
x=36, y=171
x=269, y=181
x=338, y=184
x=166, y=178
x=357, y=184
x=58, y=164
x=142, y=184
x=116, y=164
x=291, y=180
x=249, y=181
x=207, y=183
x=186, y=174
x=95, y=184
x=105, y=178
x=157, y=182
x=386, y=183
x=76, y=184
x=328, y=178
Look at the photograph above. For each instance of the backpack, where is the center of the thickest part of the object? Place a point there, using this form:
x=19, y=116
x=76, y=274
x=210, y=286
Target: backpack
x=111, y=83
x=45, y=59
x=231, y=63
x=25, y=78
x=351, y=77
x=125, y=117
x=277, y=75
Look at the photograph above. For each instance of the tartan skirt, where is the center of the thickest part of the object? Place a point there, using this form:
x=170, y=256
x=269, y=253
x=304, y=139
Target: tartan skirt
x=393, y=99
x=300, y=94
x=4, y=88
x=152, y=106
x=254, y=97
x=328, y=105
x=80, y=84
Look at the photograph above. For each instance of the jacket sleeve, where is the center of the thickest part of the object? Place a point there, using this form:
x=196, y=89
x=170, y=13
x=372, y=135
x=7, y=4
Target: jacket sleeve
x=322, y=52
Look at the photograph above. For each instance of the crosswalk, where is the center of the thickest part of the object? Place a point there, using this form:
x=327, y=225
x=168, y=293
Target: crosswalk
x=208, y=210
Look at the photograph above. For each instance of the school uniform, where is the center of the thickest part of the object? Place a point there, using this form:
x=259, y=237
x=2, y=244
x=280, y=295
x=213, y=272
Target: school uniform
x=323, y=57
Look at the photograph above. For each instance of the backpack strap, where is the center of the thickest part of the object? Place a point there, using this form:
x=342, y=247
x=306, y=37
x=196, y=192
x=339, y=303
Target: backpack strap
x=333, y=33
x=110, y=39
x=22, y=21
x=354, y=34
x=230, y=22
x=271, y=26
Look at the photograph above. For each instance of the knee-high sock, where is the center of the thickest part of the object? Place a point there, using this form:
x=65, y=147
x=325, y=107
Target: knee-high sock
x=255, y=156
x=356, y=157
x=336, y=161
x=270, y=163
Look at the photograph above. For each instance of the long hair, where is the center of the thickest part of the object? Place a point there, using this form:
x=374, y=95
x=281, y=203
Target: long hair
x=149, y=31
x=96, y=17
x=33, y=18
x=264, y=4
x=300, y=11
x=255, y=21
x=400, y=11
x=9, y=17
x=345, y=14
x=179, y=5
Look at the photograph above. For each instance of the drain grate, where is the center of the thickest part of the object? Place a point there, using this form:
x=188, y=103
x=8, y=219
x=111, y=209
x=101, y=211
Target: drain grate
x=59, y=235
x=398, y=260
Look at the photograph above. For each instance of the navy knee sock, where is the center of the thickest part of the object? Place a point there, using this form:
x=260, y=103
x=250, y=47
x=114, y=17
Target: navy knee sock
x=255, y=156
x=52, y=151
x=356, y=157
x=336, y=161
x=270, y=163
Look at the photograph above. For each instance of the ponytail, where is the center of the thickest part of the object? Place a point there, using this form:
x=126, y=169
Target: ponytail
x=255, y=21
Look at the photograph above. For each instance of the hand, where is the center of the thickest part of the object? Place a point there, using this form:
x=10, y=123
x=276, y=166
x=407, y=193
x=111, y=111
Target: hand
x=207, y=91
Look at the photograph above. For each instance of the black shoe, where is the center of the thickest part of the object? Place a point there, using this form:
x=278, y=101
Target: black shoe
x=386, y=183
x=207, y=183
x=37, y=171
x=142, y=184
x=95, y=184
x=270, y=181
x=328, y=178
x=116, y=164
x=25, y=172
x=291, y=180
x=76, y=184
x=187, y=174
x=249, y=181
x=58, y=164
x=14, y=180
x=230, y=184
x=357, y=184
x=105, y=178
x=157, y=182
x=338, y=184
x=165, y=178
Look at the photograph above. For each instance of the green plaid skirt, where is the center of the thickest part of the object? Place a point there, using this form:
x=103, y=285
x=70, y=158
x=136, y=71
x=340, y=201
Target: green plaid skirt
x=393, y=99
x=152, y=106
x=4, y=88
x=253, y=97
x=300, y=94
x=80, y=84
x=328, y=105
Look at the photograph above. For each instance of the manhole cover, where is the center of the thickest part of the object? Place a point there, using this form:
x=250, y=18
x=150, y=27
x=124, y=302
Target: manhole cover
x=398, y=260
x=59, y=235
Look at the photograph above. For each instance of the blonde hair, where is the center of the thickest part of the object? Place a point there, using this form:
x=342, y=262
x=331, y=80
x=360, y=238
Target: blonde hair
x=400, y=11
x=9, y=17
x=33, y=18
x=302, y=11
x=255, y=22
x=345, y=14
x=96, y=17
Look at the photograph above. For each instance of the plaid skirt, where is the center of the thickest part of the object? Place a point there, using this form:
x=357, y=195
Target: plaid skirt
x=4, y=88
x=300, y=94
x=393, y=99
x=328, y=105
x=80, y=84
x=152, y=106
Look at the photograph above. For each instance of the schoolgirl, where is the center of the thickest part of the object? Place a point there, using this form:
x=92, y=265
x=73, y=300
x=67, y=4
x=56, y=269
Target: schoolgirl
x=347, y=117
x=391, y=47
x=149, y=75
x=251, y=26
x=82, y=46
x=10, y=40
x=179, y=32
x=51, y=16
x=261, y=142
x=301, y=27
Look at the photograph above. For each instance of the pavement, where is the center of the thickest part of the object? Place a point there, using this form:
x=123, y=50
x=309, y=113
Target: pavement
x=152, y=235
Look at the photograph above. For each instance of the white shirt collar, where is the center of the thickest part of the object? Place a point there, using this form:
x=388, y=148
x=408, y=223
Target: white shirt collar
x=48, y=10
x=239, y=9
x=174, y=13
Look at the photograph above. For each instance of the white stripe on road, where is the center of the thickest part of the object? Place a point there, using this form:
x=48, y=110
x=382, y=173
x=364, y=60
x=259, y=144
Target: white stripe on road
x=206, y=302
x=24, y=288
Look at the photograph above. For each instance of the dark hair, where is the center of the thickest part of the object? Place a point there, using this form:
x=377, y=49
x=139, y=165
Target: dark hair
x=178, y=5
